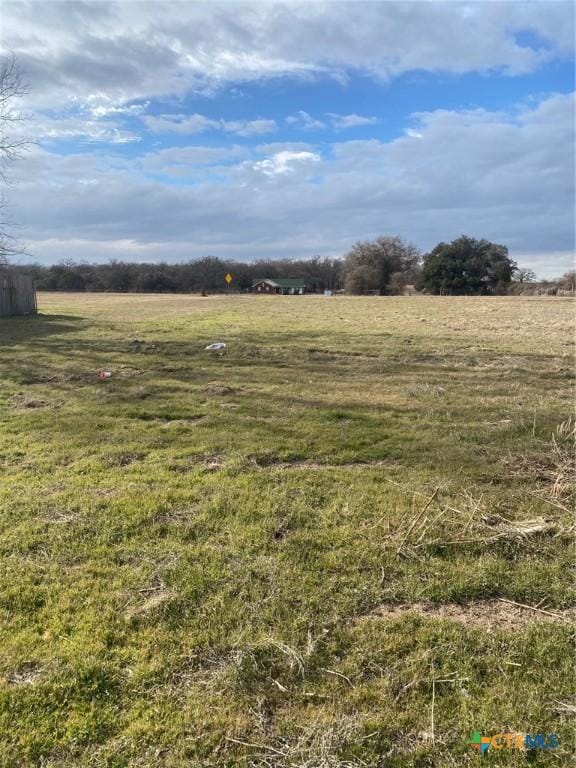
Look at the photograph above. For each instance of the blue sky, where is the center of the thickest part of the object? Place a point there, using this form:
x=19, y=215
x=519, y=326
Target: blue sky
x=168, y=131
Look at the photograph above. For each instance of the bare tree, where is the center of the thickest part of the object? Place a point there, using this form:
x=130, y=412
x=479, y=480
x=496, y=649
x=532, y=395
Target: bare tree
x=523, y=275
x=12, y=145
x=568, y=280
x=369, y=266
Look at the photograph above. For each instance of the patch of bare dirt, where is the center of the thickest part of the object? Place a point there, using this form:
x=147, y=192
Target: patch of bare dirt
x=488, y=614
x=29, y=402
x=151, y=598
x=27, y=674
x=105, y=493
x=346, y=465
x=423, y=390
x=90, y=377
x=209, y=462
x=122, y=459
x=183, y=422
x=138, y=345
x=555, y=466
x=200, y=668
x=184, y=517
x=271, y=461
x=61, y=517
x=126, y=371
x=537, y=466
x=320, y=354
x=220, y=389
x=566, y=707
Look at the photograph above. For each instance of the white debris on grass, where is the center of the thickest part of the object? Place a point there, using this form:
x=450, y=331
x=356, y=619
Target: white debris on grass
x=216, y=346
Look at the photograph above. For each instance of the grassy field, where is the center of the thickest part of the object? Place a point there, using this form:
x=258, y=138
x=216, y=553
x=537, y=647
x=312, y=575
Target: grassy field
x=297, y=553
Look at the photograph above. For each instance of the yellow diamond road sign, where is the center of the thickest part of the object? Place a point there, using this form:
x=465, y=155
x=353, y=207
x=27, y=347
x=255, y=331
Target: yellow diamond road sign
x=228, y=278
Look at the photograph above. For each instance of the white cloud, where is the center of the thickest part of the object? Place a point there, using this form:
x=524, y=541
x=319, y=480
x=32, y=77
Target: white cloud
x=285, y=162
x=249, y=127
x=507, y=176
x=191, y=124
x=77, y=127
x=190, y=158
x=341, y=122
x=104, y=108
x=548, y=264
x=131, y=51
x=185, y=124
x=305, y=122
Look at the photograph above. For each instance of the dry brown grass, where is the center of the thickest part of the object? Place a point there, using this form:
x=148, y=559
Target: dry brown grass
x=486, y=614
x=511, y=321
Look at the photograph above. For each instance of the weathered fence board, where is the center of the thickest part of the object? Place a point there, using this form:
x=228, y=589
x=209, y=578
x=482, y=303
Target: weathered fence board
x=17, y=293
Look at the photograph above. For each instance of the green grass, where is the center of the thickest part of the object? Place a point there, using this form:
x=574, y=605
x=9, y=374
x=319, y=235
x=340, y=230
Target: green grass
x=202, y=555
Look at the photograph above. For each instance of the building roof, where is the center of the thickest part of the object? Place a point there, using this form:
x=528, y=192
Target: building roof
x=284, y=282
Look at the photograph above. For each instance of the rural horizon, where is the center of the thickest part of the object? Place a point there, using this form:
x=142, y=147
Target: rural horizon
x=26, y=260
x=287, y=384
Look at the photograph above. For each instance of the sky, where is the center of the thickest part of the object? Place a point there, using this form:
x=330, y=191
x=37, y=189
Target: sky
x=168, y=131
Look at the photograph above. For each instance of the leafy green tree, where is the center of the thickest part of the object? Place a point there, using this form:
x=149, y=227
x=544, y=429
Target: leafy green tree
x=467, y=266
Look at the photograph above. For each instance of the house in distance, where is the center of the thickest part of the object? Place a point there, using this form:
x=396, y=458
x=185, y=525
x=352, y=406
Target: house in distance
x=287, y=286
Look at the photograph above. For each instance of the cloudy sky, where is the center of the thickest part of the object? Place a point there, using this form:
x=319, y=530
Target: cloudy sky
x=172, y=130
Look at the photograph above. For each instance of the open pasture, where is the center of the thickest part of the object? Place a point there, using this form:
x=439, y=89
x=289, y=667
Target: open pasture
x=300, y=552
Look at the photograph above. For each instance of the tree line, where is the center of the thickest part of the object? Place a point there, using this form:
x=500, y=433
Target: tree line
x=206, y=275
x=384, y=266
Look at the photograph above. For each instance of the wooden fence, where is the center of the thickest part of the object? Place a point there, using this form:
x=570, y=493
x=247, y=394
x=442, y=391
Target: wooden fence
x=17, y=293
